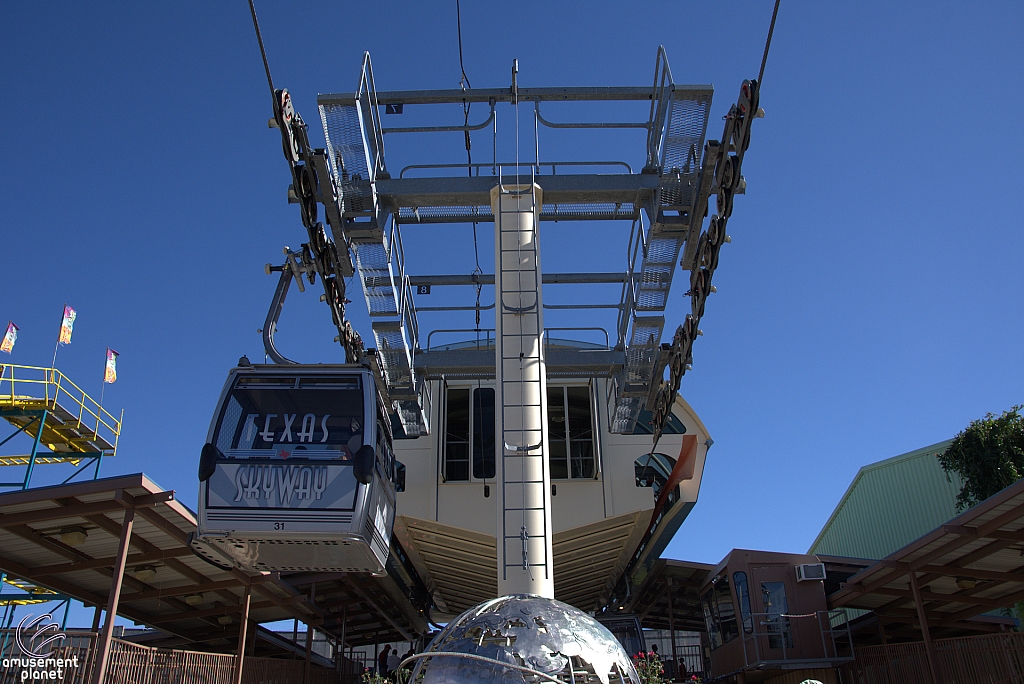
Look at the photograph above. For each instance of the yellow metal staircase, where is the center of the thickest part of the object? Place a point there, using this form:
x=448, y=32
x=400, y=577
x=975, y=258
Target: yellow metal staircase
x=74, y=426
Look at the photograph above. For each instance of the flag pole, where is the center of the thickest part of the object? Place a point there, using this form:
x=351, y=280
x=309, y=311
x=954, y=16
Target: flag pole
x=53, y=364
x=103, y=388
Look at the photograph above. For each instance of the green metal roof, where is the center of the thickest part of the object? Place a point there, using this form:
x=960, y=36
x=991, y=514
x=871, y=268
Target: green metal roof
x=890, y=504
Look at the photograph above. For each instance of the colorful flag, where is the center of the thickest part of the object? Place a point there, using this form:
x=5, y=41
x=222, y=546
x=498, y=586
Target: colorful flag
x=10, y=338
x=66, y=325
x=110, y=375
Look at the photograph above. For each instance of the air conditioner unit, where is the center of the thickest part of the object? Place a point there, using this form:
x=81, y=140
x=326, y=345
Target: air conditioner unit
x=810, y=572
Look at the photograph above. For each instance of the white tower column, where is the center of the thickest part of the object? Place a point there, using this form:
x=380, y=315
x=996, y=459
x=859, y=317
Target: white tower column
x=523, y=477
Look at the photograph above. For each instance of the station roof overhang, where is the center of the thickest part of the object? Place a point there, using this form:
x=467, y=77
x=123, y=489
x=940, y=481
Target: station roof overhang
x=968, y=566
x=32, y=549
x=669, y=597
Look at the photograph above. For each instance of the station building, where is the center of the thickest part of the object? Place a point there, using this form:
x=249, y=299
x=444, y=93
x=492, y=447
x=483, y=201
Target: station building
x=897, y=587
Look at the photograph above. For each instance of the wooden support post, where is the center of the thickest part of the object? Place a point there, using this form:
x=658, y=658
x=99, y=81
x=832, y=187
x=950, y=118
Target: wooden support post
x=341, y=642
x=672, y=632
x=309, y=653
x=881, y=631
x=925, y=632
x=91, y=657
x=309, y=638
x=243, y=626
x=251, y=646
x=103, y=647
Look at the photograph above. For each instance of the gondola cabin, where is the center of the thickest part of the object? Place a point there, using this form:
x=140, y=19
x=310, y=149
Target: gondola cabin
x=298, y=473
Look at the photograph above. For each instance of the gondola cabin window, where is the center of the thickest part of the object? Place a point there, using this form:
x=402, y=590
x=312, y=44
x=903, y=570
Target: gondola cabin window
x=287, y=417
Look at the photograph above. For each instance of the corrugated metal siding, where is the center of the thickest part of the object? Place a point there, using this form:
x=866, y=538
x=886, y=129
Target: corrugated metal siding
x=890, y=504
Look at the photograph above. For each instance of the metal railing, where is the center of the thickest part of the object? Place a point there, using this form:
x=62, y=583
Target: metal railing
x=488, y=341
x=369, y=119
x=76, y=647
x=661, y=98
x=548, y=339
x=769, y=629
x=526, y=164
x=54, y=389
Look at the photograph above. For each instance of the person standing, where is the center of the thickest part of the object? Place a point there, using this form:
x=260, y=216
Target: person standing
x=382, y=661
x=393, y=662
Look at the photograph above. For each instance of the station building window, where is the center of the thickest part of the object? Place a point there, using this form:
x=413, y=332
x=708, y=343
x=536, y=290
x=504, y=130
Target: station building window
x=470, y=442
x=469, y=434
x=743, y=596
x=773, y=596
x=570, y=433
x=719, y=613
x=673, y=426
x=653, y=470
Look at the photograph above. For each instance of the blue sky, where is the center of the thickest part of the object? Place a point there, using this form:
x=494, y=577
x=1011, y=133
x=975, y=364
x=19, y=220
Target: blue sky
x=870, y=302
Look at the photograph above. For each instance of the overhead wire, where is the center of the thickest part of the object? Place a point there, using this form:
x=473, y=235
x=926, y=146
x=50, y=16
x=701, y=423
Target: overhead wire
x=768, y=43
x=466, y=106
x=466, y=85
x=263, y=51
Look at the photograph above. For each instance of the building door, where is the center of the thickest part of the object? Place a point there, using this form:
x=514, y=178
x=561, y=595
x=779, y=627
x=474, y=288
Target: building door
x=771, y=592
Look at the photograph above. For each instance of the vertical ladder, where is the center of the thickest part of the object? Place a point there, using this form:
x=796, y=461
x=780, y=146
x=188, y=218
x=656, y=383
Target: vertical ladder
x=524, y=527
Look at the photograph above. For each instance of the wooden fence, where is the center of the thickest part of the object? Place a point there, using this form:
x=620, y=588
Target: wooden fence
x=130, y=663
x=984, y=659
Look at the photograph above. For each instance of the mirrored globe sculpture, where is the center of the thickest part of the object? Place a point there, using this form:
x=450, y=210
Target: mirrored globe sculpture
x=523, y=639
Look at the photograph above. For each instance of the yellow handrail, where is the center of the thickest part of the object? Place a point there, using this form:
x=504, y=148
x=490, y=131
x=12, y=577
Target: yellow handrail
x=51, y=384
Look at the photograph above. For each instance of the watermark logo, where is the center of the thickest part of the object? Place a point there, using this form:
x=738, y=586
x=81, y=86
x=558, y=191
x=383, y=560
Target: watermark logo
x=36, y=638
x=41, y=632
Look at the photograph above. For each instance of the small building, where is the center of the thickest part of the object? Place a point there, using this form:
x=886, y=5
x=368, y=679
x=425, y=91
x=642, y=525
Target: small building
x=766, y=613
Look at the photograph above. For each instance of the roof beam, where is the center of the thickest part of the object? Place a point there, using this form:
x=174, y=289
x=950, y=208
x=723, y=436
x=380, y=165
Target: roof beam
x=984, y=530
x=94, y=563
x=169, y=592
x=967, y=531
x=193, y=614
x=105, y=523
x=83, y=595
x=954, y=571
x=950, y=598
x=386, y=614
x=181, y=537
x=118, y=503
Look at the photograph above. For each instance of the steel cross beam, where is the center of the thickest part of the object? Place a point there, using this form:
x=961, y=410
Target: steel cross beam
x=546, y=278
x=458, y=96
x=467, y=191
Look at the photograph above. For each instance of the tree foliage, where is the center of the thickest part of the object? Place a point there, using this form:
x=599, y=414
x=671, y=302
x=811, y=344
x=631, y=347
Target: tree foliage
x=988, y=456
